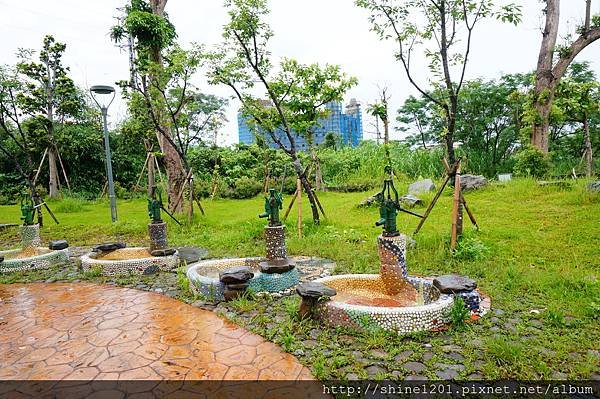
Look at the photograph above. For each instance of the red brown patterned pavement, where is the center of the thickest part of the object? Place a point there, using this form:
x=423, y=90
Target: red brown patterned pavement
x=65, y=332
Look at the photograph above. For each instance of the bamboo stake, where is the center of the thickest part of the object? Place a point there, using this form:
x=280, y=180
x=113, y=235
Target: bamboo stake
x=455, y=209
x=431, y=205
x=37, y=174
x=289, y=209
x=63, y=170
x=299, y=191
x=137, y=184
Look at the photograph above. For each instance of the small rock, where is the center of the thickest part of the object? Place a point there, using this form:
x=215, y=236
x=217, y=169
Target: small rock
x=594, y=187
x=415, y=367
x=315, y=290
x=236, y=275
x=57, y=245
x=191, y=255
x=498, y=312
x=410, y=200
x=276, y=266
x=199, y=304
x=478, y=364
x=163, y=252
x=421, y=186
x=453, y=283
x=372, y=200
x=427, y=356
x=109, y=246
x=471, y=182
x=151, y=269
x=159, y=290
x=298, y=352
x=352, y=377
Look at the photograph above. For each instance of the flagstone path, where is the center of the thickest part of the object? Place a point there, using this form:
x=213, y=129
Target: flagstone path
x=96, y=332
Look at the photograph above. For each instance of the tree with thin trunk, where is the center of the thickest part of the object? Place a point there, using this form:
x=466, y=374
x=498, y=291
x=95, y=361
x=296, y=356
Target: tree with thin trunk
x=553, y=61
x=51, y=97
x=443, y=31
x=11, y=127
x=148, y=25
x=296, y=94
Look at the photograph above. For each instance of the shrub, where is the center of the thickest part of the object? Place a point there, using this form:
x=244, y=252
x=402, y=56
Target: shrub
x=531, y=162
x=470, y=249
x=245, y=187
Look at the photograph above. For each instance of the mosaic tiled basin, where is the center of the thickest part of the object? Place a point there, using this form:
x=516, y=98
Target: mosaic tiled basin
x=361, y=303
x=135, y=260
x=204, y=277
x=32, y=258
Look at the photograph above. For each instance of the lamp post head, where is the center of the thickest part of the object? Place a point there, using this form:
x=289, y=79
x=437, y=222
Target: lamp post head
x=102, y=92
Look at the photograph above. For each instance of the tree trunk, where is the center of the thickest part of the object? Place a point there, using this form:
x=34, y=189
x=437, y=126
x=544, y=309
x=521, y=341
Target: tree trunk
x=53, y=173
x=548, y=74
x=318, y=173
x=449, y=136
x=307, y=187
x=588, y=147
x=173, y=162
x=545, y=81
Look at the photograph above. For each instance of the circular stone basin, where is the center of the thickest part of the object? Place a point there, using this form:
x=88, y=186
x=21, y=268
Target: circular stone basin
x=32, y=258
x=135, y=260
x=362, y=302
x=204, y=277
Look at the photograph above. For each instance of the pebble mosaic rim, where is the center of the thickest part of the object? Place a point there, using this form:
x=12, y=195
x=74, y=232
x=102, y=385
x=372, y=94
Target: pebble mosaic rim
x=45, y=260
x=444, y=301
x=211, y=286
x=133, y=265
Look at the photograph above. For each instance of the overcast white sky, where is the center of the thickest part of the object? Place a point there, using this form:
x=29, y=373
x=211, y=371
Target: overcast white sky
x=324, y=31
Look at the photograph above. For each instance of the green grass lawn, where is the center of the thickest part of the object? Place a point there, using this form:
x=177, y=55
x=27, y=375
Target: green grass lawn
x=537, y=255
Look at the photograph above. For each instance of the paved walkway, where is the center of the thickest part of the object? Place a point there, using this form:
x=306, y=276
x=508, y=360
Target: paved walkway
x=94, y=332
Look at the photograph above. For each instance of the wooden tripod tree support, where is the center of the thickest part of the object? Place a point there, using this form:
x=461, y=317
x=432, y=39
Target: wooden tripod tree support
x=189, y=182
x=62, y=167
x=458, y=203
x=295, y=196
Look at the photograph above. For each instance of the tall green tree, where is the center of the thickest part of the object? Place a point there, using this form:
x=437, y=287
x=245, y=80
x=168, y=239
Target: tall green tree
x=50, y=97
x=443, y=31
x=147, y=25
x=488, y=123
x=295, y=93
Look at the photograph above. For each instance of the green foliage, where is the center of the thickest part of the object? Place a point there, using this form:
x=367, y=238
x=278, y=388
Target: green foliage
x=458, y=314
x=470, y=249
x=531, y=161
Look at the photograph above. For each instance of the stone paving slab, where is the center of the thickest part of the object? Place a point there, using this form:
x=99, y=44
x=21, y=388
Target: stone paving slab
x=97, y=332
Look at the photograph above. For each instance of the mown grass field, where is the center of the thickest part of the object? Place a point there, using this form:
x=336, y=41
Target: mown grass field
x=537, y=255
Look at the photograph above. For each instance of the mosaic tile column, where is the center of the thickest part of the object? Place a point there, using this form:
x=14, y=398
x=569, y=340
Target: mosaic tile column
x=277, y=260
x=393, y=269
x=158, y=236
x=275, y=240
x=30, y=236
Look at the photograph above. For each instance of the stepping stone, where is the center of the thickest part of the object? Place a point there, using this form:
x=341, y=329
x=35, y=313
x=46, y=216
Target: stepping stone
x=315, y=290
x=427, y=356
x=57, y=245
x=415, y=378
x=415, y=367
x=109, y=246
x=378, y=354
x=447, y=374
x=402, y=356
x=236, y=275
x=475, y=376
x=191, y=254
x=455, y=356
x=372, y=371
x=453, y=283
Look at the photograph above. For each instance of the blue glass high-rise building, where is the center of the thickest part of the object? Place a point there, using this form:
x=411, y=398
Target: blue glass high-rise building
x=346, y=126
